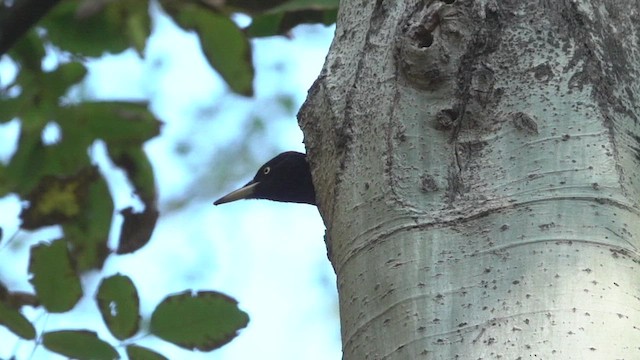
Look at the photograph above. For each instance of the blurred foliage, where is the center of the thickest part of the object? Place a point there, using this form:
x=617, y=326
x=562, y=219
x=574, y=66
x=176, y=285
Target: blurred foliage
x=61, y=186
x=119, y=292
x=181, y=320
x=79, y=344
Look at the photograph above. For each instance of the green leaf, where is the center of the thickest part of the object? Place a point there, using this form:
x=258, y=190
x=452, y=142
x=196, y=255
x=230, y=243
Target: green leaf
x=89, y=28
x=16, y=322
x=250, y=6
x=28, y=52
x=82, y=204
x=279, y=23
x=204, y=321
x=135, y=163
x=137, y=228
x=112, y=121
x=42, y=90
x=89, y=231
x=59, y=187
x=119, y=306
x=284, y=17
x=224, y=44
x=265, y=25
x=58, y=199
x=10, y=109
x=142, y=353
x=54, y=278
x=57, y=82
x=137, y=23
x=34, y=161
x=295, y=5
x=123, y=123
x=79, y=344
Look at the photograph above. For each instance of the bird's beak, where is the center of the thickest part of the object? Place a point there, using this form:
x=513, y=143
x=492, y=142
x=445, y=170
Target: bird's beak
x=244, y=192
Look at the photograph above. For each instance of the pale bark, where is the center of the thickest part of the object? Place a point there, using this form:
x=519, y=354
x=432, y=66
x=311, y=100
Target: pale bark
x=477, y=168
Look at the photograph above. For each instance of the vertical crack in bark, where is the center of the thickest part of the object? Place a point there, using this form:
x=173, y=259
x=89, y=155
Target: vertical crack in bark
x=389, y=163
x=457, y=157
x=454, y=178
x=484, y=41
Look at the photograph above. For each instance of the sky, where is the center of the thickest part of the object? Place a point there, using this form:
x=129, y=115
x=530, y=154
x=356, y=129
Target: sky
x=269, y=256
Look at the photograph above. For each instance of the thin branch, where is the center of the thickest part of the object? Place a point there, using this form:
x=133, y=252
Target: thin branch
x=17, y=19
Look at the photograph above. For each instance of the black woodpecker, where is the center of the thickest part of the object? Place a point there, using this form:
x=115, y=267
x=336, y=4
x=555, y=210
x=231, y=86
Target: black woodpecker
x=285, y=178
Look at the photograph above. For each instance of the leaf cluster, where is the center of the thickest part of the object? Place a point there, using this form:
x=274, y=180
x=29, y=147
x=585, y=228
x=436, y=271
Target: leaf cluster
x=60, y=184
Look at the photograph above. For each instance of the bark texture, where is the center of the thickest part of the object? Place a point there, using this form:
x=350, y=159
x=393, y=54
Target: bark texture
x=477, y=165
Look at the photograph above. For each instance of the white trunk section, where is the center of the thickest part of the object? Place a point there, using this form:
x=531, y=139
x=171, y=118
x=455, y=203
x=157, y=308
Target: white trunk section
x=477, y=168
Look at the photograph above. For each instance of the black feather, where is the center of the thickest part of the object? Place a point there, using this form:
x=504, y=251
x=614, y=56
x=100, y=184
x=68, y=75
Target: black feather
x=285, y=178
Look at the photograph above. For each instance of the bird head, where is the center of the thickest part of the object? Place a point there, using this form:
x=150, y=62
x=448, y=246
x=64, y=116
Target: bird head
x=285, y=178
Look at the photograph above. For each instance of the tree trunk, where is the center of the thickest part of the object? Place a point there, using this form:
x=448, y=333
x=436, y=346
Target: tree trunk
x=476, y=165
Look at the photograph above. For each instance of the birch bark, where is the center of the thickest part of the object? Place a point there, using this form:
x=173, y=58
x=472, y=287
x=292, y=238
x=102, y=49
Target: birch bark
x=477, y=169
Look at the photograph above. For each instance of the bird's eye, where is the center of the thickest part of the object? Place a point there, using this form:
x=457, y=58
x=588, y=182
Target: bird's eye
x=266, y=170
